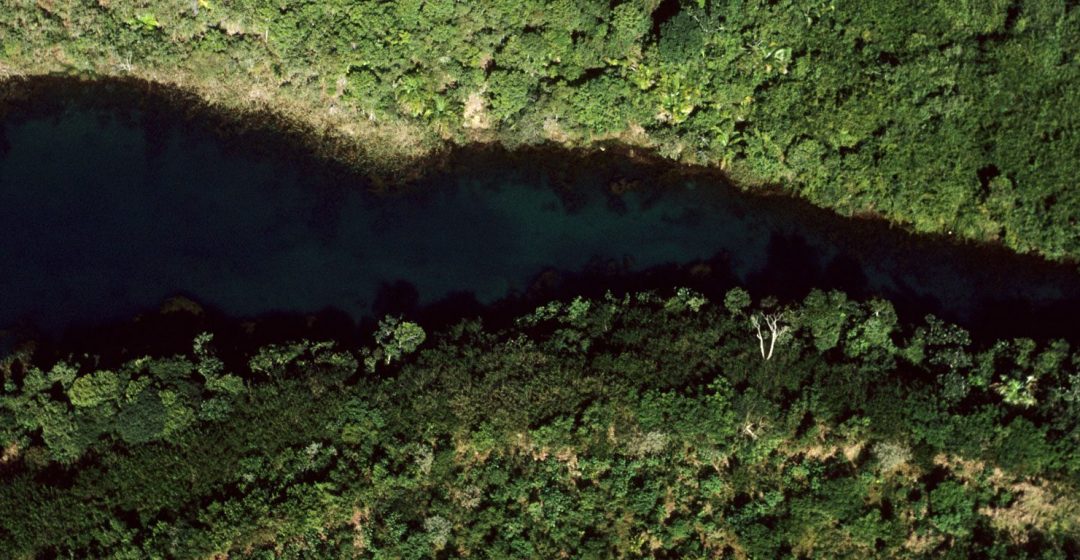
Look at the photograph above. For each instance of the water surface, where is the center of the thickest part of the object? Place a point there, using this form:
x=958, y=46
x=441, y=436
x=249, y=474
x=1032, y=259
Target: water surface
x=106, y=214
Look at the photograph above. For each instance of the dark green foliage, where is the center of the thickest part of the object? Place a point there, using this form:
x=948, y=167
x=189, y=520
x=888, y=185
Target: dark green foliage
x=959, y=118
x=634, y=426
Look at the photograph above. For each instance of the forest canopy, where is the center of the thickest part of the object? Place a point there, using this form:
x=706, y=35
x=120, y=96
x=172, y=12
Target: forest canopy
x=624, y=426
x=655, y=424
x=959, y=118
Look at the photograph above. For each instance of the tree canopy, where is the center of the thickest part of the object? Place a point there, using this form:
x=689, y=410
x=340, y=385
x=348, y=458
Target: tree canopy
x=637, y=425
x=958, y=118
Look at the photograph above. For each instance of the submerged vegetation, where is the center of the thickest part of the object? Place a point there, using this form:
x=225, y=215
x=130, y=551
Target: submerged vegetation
x=641, y=425
x=959, y=118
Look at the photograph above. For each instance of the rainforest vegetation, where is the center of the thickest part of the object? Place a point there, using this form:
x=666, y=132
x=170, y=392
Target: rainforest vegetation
x=954, y=117
x=649, y=424
x=644, y=424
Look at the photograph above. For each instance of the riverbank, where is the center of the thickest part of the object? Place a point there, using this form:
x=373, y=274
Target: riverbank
x=959, y=122
x=272, y=226
x=261, y=190
x=860, y=434
x=261, y=130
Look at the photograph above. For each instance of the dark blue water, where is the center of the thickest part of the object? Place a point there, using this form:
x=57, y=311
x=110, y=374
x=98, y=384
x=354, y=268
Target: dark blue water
x=104, y=217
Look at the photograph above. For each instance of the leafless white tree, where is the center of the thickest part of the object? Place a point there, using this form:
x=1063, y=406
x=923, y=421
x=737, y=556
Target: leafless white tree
x=775, y=331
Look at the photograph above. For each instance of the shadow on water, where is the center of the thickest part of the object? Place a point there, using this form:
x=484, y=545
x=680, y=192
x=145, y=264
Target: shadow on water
x=110, y=209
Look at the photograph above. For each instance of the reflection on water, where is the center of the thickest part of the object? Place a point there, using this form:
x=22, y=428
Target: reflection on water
x=104, y=217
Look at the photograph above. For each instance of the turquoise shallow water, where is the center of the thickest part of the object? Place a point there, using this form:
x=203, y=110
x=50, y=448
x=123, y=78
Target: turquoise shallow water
x=104, y=217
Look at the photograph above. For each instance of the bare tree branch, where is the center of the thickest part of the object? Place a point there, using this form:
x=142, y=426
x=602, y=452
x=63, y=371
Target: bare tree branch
x=776, y=330
x=761, y=340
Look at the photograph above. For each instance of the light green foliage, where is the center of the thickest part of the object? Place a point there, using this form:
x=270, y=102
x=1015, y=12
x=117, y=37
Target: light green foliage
x=438, y=529
x=64, y=374
x=959, y=118
x=1017, y=391
x=577, y=311
x=396, y=338
x=207, y=364
x=94, y=389
x=668, y=436
x=178, y=414
x=59, y=432
x=273, y=360
x=227, y=384
x=685, y=298
x=135, y=387
x=278, y=361
x=142, y=401
x=543, y=313
x=736, y=301
x=145, y=20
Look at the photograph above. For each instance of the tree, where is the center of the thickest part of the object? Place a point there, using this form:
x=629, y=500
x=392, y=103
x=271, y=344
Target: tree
x=736, y=300
x=772, y=321
x=952, y=509
x=397, y=338
x=94, y=389
x=826, y=314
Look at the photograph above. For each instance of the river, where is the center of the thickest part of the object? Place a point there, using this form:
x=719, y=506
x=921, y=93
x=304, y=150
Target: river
x=106, y=213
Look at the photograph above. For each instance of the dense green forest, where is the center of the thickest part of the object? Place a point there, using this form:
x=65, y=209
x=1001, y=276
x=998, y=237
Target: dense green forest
x=954, y=117
x=651, y=424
